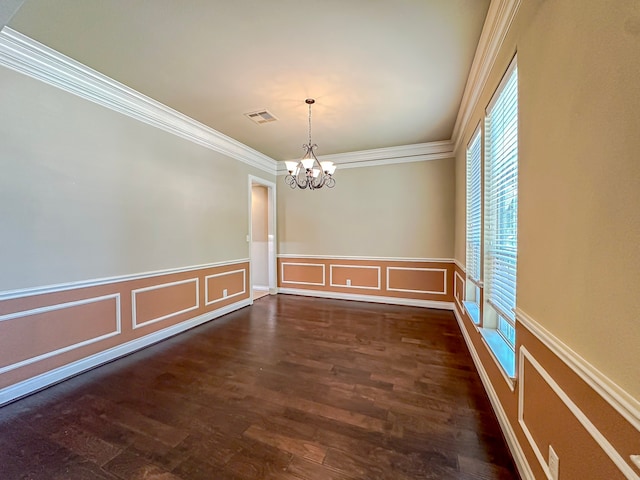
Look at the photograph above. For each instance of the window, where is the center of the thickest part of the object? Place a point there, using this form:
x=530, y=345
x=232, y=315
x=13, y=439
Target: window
x=501, y=219
x=474, y=226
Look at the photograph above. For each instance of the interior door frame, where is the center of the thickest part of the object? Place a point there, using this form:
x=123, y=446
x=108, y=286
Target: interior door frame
x=271, y=233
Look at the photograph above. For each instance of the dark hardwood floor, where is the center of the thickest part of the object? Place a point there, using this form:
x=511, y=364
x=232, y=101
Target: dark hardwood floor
x=291, y=388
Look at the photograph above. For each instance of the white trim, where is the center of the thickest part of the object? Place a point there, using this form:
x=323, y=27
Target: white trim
x=455, y=288
x=60, y=287
x=497, y=23
x=618, y=398
x=304, y=265
x=32, y=385
x=460, y=266
x=261, y=288
x=134, y=309
x=27, y=56
x=410, y=302
x=61, y=306
x=367, y=259
x=520, y=459
x=272, y=229
x=501, y=86
x=600, y=439
x=354, y=266
x=434, y=292
x=206, y=286
x=419, y=152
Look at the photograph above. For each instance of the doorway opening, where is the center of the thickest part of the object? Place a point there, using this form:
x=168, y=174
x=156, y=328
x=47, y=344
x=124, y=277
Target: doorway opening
x=262, y=235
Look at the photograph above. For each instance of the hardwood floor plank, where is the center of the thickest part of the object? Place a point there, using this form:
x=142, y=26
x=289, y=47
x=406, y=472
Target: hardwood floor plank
x=128, y=465
x=85, y=444
x=291, y=388
x=301, y=448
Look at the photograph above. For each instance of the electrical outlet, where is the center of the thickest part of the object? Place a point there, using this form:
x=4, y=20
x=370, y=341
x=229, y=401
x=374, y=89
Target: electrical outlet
x=224, y=293
x=348, y=282
x=553, y=463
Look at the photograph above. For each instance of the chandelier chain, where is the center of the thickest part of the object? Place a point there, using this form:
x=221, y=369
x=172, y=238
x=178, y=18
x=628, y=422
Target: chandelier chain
x=309, y=124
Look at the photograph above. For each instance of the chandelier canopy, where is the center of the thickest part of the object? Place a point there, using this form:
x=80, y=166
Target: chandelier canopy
x=309, y=172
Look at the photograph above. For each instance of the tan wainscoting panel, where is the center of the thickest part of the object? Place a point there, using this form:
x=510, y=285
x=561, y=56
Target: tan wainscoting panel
x=417, y=280
x=160, y=302
x=302, y=273
x=225, y=285
x=547, y=415
x=355, y=276
x=554, y=405
x=409, y=279
x=458, y=289
x=33, y=335
x=41, y=332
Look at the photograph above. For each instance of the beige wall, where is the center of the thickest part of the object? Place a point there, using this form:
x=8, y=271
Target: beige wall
x=88, y=193
x=404, y=210
x=579, y=191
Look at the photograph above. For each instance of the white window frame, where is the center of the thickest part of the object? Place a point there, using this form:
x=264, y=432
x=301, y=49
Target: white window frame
x=473, y=284
x=500, y=217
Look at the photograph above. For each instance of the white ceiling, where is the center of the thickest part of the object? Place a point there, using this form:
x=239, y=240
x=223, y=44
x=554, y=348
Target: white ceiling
x=384, y=73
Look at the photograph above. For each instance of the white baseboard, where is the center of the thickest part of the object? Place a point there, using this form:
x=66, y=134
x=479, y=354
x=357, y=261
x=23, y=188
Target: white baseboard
x=44, y=380
x=524, y=469
x=261, y=288
x=368, y=298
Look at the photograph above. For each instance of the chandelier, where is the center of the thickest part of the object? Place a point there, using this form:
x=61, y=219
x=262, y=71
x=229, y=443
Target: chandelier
x=309, y=172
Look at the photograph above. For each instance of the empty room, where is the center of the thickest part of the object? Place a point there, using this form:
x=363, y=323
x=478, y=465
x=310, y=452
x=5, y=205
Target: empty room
x=304, y=240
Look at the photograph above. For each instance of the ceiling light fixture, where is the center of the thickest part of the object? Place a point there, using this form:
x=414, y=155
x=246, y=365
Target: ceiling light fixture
x=309, y=172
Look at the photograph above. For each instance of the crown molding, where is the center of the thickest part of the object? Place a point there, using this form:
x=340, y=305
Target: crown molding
x=418, y=152
x=499, y=18
x=25, y=55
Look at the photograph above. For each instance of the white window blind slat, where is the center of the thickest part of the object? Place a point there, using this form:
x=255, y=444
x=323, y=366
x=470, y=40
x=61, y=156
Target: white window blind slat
x=501, y=201
x=474, y=207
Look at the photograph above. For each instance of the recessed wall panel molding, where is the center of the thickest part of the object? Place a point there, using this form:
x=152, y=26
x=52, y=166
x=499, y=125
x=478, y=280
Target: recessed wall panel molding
x=34, y=335
x=355, y=276
x=422, y=282
x=417, y=280
x=627, y=406
x=546, y=413
x=554, y=406
x=297, y=273
x=160, y=302
x=458, y=289
x=223, y=286
x=51, y=332
x=25, y=55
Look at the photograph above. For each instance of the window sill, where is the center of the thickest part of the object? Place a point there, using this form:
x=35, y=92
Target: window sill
x=502, y=353
x=473, y=311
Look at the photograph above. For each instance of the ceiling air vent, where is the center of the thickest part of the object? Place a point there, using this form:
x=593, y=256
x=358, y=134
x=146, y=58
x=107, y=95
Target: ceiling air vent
x=261, y=116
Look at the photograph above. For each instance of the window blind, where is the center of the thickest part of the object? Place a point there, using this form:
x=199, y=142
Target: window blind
x=501, y=196
x=474, y=207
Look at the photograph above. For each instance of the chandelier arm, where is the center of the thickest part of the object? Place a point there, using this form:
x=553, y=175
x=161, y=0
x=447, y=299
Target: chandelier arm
x=315, y=177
